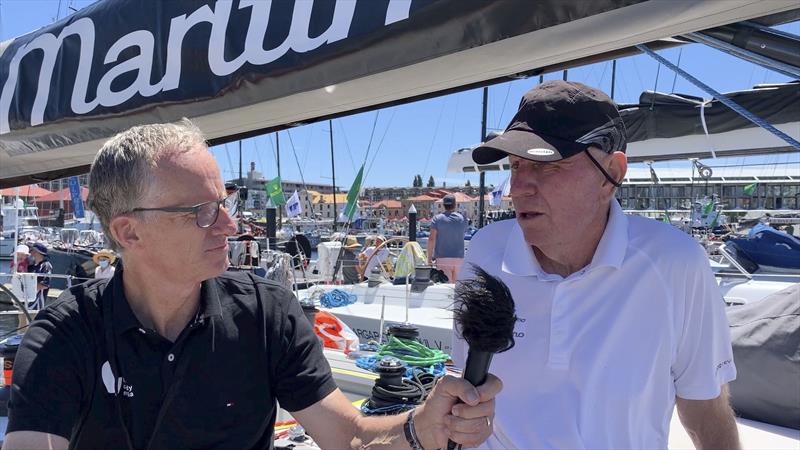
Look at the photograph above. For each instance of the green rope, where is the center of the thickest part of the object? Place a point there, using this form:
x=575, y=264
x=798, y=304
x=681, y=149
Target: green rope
x=413, y=353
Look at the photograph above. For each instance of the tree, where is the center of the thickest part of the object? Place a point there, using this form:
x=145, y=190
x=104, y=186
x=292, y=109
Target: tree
x=417, y=181
x=431, y=183
x=467, y=184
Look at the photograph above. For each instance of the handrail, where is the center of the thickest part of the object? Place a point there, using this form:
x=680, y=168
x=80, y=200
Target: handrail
x=733, y=262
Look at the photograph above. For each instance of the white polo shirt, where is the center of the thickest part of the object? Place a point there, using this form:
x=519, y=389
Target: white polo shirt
x=601, y=355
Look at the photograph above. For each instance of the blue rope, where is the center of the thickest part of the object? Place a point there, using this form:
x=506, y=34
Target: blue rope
x=371, y=362
x=724, y=100
x=336, y=298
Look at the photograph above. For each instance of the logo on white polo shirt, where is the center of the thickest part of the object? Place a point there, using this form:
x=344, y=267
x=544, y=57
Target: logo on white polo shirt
x=113, y=387
x=520, y=327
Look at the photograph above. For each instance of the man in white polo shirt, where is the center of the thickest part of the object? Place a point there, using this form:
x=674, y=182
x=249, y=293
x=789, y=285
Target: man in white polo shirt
x=620, y=316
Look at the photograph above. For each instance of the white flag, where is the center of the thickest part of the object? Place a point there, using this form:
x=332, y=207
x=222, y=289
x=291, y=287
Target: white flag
x=500, y=191
x=293, y=207
x=356, y=214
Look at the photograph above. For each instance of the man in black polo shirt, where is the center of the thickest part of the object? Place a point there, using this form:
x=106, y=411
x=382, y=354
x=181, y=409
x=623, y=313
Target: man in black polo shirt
x=174, y=352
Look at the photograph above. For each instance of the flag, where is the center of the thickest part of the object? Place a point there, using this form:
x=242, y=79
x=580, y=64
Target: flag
x=275, y=191
x=708, y=208
x=343, y=217
x=750, y=189
x=75, y=194
x=500, y=191
x=293, y=207
x=352, y=195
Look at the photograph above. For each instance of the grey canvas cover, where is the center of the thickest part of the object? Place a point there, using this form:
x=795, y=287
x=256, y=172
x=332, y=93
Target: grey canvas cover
x=766, y=347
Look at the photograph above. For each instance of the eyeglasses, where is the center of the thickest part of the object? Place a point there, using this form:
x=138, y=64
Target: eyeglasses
x=206, y=214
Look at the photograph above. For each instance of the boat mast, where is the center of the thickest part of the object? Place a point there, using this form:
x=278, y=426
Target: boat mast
x=613, y=77
x=278, y=162
x=482, y=184
x=333, y=177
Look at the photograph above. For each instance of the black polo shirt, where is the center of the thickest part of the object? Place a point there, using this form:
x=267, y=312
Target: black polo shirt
x=87, y=370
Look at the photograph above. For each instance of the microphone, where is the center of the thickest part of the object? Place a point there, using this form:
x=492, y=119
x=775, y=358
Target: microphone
x=484, y=314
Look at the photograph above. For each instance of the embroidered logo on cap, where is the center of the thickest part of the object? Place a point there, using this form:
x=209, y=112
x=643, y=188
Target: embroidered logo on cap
x=541, y=152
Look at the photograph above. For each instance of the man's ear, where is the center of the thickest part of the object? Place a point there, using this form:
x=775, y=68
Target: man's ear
x=617, y=166
x=124, y=230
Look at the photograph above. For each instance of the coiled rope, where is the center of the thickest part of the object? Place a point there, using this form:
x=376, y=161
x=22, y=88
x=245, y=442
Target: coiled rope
x=336, y=298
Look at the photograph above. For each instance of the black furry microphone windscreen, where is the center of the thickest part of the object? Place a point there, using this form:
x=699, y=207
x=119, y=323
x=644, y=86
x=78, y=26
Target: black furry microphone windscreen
x=484, y=312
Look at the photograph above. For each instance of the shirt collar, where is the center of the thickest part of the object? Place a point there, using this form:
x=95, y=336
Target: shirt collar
x=519, y=259
x=613, y=245
x=125, y=319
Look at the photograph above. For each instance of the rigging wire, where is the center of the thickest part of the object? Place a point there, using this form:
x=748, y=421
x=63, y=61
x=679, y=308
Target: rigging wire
x=380, y=145
x=433, y=138
x=675, y=77
x=230, y=161
x=655, y=87
x=371, y=135
x=347, y=145
x=308, y=145
x=303, y=179
x=505, y=102
x=258, y=155
x=603, y=74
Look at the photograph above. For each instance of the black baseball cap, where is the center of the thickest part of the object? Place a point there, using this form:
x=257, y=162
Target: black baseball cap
x=557, y=119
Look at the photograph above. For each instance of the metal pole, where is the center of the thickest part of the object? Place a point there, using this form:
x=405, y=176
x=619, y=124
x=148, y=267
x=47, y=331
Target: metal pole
x=333, y=176
x=482, y=183
x=412, y=224
x=278, y=162
x=241, y=180
x=613, y=77
x=565, y=75
x=271, y=229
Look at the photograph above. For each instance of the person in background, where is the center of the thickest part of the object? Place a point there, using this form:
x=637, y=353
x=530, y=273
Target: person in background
x=41, y=265
x=21, y=254
x=446, y=242
x=366, y=263
x=349, y=261
x=104, y=259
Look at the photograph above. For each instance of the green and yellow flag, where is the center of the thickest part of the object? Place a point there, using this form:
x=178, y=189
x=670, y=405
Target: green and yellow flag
x=275, y=191
x=750, y=189
x=352, y=195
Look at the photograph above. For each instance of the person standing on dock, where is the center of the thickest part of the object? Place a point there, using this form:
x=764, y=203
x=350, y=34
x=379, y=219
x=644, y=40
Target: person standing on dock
x=446, y=242
x=41, y=265
x=104, y=259
x=176, y=352
x=621, y=319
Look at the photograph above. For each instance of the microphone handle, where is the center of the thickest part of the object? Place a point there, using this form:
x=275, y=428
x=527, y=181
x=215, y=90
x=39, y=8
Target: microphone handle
x=475, y=372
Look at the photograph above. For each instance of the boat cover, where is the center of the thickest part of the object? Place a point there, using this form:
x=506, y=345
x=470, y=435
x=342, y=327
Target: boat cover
x=767, y=246
x=766, y=350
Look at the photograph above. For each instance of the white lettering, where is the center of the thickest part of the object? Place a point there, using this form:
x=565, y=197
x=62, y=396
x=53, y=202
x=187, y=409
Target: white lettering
x=142, y=63
x=49, y=45
x=298, y=40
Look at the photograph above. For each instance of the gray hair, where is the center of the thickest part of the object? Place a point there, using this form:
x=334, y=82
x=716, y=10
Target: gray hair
x=122, y=170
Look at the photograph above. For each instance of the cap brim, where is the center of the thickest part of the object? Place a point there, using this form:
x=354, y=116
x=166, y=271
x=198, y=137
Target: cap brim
x=524, y=144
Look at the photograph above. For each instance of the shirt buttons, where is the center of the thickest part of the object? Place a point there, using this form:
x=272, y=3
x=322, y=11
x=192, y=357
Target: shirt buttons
x=170, y=357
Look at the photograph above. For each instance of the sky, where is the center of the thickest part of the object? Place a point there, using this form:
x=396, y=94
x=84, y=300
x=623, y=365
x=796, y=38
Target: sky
x=418, y=138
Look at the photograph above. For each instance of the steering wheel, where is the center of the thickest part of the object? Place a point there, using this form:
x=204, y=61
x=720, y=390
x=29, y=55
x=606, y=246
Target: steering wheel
x=392, y=254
